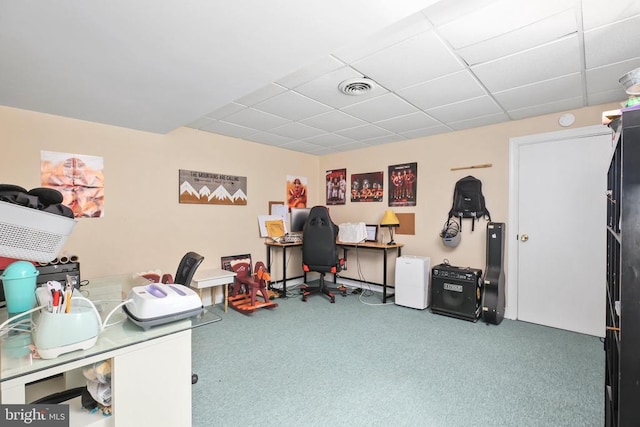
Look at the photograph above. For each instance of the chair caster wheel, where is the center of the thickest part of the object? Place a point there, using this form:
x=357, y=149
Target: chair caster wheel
x=194, y=378
x=333, y=300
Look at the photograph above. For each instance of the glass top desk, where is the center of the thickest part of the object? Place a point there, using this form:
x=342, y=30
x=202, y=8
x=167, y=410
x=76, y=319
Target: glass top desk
x=137, y=356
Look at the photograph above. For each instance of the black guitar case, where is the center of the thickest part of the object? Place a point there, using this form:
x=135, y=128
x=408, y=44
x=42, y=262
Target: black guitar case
x=493, y=300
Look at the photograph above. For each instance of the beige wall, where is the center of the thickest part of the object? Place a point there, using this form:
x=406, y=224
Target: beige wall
x=436, y=156
x=146, y=228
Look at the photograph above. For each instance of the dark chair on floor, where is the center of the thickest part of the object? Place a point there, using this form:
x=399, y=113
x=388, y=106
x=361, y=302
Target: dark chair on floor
x=186, y=269
x=320, y=252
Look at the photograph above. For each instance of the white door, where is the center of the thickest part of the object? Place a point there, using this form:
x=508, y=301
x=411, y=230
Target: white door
x=560, y=230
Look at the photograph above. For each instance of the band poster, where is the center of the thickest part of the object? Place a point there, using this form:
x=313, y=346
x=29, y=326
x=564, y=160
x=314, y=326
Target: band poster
x=403, y=182
x=367, y=187
x=79, y=178
x=206, y=188
x=337, y=187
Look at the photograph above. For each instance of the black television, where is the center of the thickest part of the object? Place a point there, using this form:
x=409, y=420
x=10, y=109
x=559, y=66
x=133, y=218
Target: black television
x=298, y=219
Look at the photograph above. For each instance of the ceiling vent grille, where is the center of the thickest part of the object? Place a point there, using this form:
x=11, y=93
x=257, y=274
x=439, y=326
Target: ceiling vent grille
x=358, y=86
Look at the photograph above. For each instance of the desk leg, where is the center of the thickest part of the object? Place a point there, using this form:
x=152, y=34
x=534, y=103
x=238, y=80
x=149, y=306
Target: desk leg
x=384, y=277
x=226, y=297
x=284, y=271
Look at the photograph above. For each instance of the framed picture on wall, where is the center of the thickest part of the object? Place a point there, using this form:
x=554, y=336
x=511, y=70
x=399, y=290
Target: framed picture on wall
x=403, y=184
x=336, y=187
x=367, y=187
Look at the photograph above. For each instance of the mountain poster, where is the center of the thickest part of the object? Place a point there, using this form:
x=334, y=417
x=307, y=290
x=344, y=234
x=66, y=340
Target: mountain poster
x=212, y=188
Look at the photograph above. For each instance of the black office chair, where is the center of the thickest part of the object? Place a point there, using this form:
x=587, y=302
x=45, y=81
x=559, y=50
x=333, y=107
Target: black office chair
x=186, y=269
x=320, y=252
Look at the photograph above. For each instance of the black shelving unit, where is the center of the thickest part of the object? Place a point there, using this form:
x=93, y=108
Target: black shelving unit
x=622, y=339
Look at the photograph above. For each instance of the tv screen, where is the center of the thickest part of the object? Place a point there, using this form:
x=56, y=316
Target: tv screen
x=298, y=219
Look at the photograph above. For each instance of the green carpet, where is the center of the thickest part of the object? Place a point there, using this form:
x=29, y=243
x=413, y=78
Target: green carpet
x=364, y=364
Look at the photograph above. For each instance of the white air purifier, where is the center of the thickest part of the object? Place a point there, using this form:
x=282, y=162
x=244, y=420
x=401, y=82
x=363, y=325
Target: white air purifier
x=412, y=281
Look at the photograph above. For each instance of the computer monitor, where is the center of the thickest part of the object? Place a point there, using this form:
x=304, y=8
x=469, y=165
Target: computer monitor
x=298, y=219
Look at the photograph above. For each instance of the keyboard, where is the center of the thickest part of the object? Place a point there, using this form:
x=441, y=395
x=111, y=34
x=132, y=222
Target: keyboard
x=291, y=238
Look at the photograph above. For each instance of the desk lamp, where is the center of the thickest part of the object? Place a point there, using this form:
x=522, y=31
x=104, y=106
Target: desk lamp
x=389, y=219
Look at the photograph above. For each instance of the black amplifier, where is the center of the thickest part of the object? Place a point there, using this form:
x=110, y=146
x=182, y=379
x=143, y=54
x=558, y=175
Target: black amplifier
x=456, y=291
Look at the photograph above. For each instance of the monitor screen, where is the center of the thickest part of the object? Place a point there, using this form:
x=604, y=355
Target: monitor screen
x=299, y=218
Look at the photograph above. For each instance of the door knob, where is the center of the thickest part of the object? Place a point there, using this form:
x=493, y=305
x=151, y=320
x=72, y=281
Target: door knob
x=524, y=237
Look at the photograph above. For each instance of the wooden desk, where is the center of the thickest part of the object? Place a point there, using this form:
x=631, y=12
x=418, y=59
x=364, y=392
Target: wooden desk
x=383, y=247
x=210, y=278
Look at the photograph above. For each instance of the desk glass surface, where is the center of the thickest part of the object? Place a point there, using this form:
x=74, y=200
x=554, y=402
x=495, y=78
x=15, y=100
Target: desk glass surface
x=122, y=334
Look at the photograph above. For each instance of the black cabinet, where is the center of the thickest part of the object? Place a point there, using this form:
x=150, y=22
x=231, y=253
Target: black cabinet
x=622, y=339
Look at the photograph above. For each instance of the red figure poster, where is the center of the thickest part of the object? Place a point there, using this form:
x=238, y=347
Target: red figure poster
x=403, y=183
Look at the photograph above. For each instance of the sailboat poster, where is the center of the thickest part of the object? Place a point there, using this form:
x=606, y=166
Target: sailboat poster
x=212, y=188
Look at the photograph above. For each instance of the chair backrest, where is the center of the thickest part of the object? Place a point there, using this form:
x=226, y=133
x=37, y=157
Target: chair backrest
x=319, y=249
x=187, y=268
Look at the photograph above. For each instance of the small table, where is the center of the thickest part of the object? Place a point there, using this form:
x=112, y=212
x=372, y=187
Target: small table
x=210, y=278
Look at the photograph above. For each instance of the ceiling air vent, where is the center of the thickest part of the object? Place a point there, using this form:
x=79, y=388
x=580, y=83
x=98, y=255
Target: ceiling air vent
x=358, y=86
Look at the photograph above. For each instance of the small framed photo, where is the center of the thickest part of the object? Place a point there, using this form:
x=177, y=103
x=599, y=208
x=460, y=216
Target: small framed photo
x=372, y=233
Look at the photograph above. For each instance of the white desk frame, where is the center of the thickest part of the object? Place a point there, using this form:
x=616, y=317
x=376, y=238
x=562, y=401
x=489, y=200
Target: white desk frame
x=150, y=370
x=211, y=278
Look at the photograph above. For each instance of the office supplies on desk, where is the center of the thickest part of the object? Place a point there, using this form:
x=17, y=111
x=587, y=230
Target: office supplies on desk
x=57, y=332
x=159, y=303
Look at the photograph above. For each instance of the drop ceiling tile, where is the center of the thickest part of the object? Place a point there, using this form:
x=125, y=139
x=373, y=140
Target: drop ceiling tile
x=480, y=121
x=325, y=89
x=420, y=133
x=544, y=31
x=296, y=130
x=607, y=77
x=560, y=58
x=350, y=146
x=406, y=123
x=596, y=13
x=364, y=132
x=541, y=93
x=617, y=95
x=498, y=18
x=444, y=90
x=291, y=105
x=443, y=11
x=380, y=108
x=203, y=121
x=311, y=72
x=333, y=120
x=225, y=111
x=612, y=43
x=552, y=107
x=229, y=129
x=305, y=147
x=270, y=138
x=329, y=140
x=384, y=139
x=256, y=119
x=396, y=33
x=261, y=94
x=418, y=59
x=465, y=110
